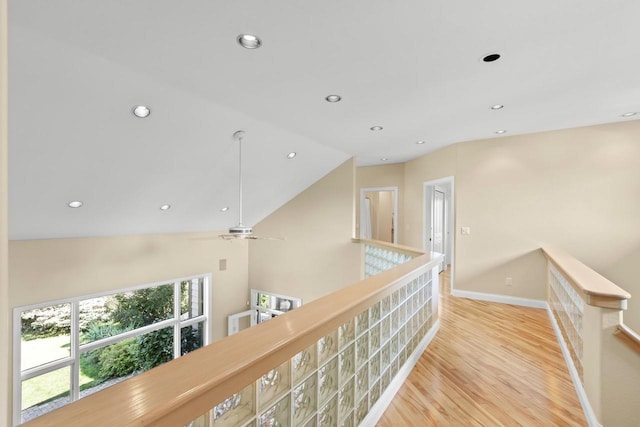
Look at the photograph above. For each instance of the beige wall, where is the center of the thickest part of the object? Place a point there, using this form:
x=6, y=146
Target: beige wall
x=5, y=329
x=317, y=256
x=384, y=218
x=46, y=270
x=381, y=176
x=576, y=189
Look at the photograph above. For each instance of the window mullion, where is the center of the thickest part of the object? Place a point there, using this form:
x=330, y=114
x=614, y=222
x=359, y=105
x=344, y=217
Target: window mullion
x=75, y=350
x=177, y=308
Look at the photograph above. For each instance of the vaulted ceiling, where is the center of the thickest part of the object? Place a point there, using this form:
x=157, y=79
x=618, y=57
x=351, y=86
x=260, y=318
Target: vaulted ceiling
x=413, y=67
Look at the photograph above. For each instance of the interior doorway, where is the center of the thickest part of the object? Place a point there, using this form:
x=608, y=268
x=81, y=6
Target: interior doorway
x=379, y=214
x=438, y=222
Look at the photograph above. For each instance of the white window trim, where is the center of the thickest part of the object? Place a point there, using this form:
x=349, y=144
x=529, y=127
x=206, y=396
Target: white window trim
x=77, y=349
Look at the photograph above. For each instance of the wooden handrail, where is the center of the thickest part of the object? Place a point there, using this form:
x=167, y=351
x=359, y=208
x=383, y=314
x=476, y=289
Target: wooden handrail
x=628, y=336
x=181, y=390
x=595, y=289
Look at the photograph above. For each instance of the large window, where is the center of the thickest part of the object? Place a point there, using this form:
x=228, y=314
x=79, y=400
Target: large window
x=65, y=350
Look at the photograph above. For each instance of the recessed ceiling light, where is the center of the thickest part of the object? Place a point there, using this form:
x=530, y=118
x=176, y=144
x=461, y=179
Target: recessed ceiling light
x=491, y=57
x=384, y=159
x=226, y=208
x=501, y=131
x=141, y=111
x=376, y=128
x=497, y=107
x=249, y=41
x=165, y=207
x=629, y=114
x=419, y=142
x=291, y=155
x=75, y=204
x=333, y=98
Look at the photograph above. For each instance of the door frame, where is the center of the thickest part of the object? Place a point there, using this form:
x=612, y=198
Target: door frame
x=394, y=190
x=450, y=218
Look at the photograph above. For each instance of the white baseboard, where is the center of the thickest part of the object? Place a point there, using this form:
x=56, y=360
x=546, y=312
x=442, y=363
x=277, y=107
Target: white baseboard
x=375, y=413
x=504, y=299
x=592, y=420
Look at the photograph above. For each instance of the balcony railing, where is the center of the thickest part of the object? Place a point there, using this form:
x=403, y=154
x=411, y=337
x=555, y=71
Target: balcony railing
x=337, y=360
x=587, y=313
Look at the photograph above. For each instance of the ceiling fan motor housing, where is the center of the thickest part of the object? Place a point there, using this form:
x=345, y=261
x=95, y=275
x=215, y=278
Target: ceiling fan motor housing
x=240, y=230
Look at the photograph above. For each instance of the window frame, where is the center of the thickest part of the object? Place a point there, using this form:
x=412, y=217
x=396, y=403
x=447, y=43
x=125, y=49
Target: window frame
x=77, y=349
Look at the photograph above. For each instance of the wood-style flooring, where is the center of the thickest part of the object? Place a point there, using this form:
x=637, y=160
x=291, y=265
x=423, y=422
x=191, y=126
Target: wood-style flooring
x=490, y=364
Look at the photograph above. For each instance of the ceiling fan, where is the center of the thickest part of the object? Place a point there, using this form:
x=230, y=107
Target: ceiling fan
x=241, y=231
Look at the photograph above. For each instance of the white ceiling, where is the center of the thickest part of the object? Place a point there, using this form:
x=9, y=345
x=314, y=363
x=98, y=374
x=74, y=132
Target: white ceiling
x=414, y=67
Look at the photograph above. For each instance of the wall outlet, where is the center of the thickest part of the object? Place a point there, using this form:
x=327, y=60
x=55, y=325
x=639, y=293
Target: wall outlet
x=509, y=281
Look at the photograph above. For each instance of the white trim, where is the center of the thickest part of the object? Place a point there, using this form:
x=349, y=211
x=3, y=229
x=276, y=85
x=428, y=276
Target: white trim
x=450, y=227
x=592, y=420
x=375, y=413
x=395, y=207
x=503, y=299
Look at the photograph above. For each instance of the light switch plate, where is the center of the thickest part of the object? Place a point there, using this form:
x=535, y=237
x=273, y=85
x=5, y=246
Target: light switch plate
x=465, y=231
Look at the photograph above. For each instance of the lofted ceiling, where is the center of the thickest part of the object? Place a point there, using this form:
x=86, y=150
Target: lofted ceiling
x=77, y=68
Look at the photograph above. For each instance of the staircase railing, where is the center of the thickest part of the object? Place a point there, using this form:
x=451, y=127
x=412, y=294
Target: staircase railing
x=586, y=312
x=336, y=360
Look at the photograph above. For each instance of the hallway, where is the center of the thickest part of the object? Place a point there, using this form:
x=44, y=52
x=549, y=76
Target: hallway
x=489, y=365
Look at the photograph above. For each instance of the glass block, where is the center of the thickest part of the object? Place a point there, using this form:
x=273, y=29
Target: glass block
x=385, y=329
x=410, y=287
x=201, y=421
x=409, y=328
x=416, y=303
x=327, y=347
x=385, y=356
x=409, y=306
x=362, y=322
x=394, y=368
x=385, y=380
x=327, y=381
x=362, y=410
x=374, y=368
x=273, y=384
x=385, y=306
x=402, y=338
x=394, y=346
x=395, y=299
x=374, y=394
x=362, y=382
x=236, y=409
x=347, y=363
x=346, y=399
x=374, y=313
x=347, y=421
x=347, y=333
x=402, y=313
x=402, y=357
x=362, y=350
x=395, y=321
x=420, y=294
x=278, y=415
x=311, y=422
x=403, y=293
x=328, y=414
x=304, y=400
x=303, y=363
x=374, y=338
x=421, y=316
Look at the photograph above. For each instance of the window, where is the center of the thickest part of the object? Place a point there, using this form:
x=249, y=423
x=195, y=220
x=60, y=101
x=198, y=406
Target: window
x=65, y=350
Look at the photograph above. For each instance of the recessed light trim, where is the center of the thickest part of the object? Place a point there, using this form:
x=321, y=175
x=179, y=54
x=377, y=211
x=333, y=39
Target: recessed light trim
x=141, y=111
x=501, y=131
x=165, y=207
x=75, y=204
x=497, y=107
x=333, y=98
x=249, y=41
x=376, y=128
x=419, y=142
x=226, y=208
x=291, y=155
x=384, y=159
x=491, y=57
x=629, y=114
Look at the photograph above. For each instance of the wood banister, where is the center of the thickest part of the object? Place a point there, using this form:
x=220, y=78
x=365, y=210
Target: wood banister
x=628, y=336
x=595, y=289
x=181, y=390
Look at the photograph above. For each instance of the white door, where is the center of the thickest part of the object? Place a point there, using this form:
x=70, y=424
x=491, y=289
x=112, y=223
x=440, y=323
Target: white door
x=239, y=321
x=438, y=223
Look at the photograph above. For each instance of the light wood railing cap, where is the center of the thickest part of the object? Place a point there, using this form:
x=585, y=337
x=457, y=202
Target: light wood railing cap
x=628, y=336
x=596, y=289
x=392, y=246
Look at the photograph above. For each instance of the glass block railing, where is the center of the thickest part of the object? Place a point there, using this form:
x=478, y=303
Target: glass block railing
x=379, y=258
x=337, y=380
x=567, y=307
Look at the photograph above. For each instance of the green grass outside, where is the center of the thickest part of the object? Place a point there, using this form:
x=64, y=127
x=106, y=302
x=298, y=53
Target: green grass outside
x=44, y=387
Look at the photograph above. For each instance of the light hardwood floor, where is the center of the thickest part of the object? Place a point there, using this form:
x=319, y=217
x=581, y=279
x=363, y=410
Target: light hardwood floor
x=489, y=365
